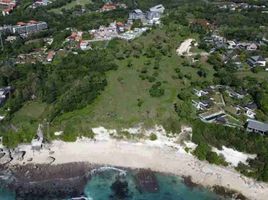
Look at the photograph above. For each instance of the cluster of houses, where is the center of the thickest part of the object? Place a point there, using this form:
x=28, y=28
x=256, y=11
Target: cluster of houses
x=124, y=30
x=212, y=107
x=117, y=30
x=39, y=55
x=24, y=28
x=39, y=3
x=75, y=40
x=7, y=6
x=232, y=49
x=233, y=6
x=42, y=55
x=150, y=17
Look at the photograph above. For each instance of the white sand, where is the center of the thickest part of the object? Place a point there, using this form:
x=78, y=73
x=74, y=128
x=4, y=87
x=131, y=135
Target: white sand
x=142, y=155
x=234, y=157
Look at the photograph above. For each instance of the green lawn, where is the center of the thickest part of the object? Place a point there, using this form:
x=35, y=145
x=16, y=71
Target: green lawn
x=117, y=106
x=30, y=115
x=71, y=5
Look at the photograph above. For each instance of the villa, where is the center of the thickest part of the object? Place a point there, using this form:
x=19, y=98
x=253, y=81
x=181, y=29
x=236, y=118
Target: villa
x=255, y=61
x=256, y=127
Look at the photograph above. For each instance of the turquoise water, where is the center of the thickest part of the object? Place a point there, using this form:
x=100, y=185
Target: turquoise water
x=6, y=194
x=170, y=188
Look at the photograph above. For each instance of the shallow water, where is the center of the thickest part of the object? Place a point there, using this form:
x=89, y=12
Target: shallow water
x=170, y=188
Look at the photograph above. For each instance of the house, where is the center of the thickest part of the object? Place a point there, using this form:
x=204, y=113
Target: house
x=250, y=110
x=256, y=126
x=7, y=6
x=252, y=47
x=202, y=105
x=4, y=94
x=153, y=17
x=240, y=94
x=231, y=44
x=256, y=61
x=229, y=55
x=158, y=8
x=50, y=56
x=209, y=117
x=136, y=14
x=108, y=7
x=200, y=93
x=84, y=45
x=248, y=46
x=120, y=27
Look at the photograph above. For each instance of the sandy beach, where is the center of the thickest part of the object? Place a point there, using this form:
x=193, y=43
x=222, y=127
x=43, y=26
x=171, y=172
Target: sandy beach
x=143, y=155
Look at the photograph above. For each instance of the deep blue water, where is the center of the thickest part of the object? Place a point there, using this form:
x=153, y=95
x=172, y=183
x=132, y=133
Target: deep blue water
x=170, y=188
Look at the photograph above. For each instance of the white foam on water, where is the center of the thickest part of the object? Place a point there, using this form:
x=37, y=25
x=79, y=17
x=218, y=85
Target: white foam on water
x=107, y=168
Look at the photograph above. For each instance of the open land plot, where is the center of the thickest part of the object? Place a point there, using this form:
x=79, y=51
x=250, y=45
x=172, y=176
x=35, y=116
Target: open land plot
x=126, y=100
x=71, y=5
x=30, y=115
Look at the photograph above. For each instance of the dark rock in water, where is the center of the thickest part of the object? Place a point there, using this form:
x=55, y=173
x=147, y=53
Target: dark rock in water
x=187, y=180
x=228, y=193
x=120, y=190
x=146, y=181
x=49, y=181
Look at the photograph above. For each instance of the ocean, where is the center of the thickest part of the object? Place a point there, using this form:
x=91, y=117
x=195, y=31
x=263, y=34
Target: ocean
x=117, y=184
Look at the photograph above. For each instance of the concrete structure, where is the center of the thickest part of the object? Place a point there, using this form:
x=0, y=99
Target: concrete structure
x=38, y=140
x=29, y=28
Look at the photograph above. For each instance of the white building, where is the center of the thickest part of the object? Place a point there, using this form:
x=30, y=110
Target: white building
x=84, y=45
x=158, y=8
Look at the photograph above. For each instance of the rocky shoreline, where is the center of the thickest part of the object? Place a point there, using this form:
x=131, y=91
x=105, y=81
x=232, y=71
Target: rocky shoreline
x=45, y=181
x=42, y=180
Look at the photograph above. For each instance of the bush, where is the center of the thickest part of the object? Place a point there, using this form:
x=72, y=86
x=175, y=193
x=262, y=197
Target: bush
x=153, y=137
x=156, y=90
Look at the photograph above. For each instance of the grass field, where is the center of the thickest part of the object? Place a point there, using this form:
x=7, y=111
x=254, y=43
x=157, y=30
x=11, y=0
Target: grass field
x=30, y=115
x=118, y=107
x=72, y=5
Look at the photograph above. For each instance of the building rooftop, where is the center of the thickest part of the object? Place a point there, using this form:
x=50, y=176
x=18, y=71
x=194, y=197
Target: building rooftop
x=257, y=58
x=257, y=125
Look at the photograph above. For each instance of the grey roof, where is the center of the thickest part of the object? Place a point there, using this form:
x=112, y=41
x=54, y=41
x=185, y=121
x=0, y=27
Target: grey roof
x=257, y=125
x=252, y=106
x=257, y=58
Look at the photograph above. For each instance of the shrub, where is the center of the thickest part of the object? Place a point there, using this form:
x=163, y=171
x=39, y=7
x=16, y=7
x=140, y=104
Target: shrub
x=153, y=137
